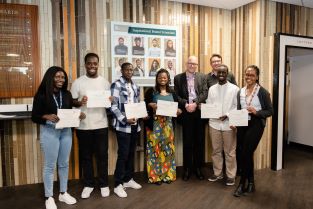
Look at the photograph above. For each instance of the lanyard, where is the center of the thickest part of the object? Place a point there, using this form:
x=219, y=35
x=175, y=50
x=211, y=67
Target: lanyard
x=256, y=87
x=56, y=102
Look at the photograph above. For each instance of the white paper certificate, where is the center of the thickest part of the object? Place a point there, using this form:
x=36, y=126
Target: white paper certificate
x=211, y=110
x=136, y=110
x=238, y=117
x=68, y=118
x=98, y=98
x=167, y=108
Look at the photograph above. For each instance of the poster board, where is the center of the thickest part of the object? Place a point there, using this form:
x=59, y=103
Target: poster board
x=148, y=47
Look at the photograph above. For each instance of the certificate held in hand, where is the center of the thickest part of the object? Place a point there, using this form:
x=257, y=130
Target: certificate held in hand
x=211, y=110
x=238, y=117
x=167, y=108
x=68, y=118
x=98, y=99
x=136, y=110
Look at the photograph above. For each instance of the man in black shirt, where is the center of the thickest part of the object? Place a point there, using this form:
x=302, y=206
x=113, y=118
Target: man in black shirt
x=138, y=70
x=137, y=48
x=212, y=79
x=121, y=49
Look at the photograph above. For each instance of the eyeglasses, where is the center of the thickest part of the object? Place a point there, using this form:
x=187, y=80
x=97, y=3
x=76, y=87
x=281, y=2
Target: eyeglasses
x=216, y=61
x=194, y=64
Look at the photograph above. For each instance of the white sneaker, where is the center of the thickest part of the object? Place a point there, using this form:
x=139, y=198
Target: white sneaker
x=119, y=191
x=50, y=204
x=132, y=184
x=105, y=191
x=86, y=192
x=67, y=198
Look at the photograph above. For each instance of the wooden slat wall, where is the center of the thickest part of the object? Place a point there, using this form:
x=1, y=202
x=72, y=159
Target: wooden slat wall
x=242, y=36
x=21, y=158
x=253, y=45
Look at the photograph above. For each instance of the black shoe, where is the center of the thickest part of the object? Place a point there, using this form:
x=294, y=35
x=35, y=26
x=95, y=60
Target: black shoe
x=199, y=174
x=158, y=183
x=215, y=178
x=239, y=191
x=251, y=187
x=186, y=175
x=230, y=181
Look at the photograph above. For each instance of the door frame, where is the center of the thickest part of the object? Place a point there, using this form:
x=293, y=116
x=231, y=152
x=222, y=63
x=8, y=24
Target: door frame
x=281, y=42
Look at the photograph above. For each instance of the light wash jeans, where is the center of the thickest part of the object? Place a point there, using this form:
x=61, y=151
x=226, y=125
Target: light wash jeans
x=56, y=145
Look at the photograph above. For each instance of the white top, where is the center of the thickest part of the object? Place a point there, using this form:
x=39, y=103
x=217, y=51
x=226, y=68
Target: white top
x=131, y=93
x=224, y=96
x=154, y=51
x=96, y=118
x=255, y=100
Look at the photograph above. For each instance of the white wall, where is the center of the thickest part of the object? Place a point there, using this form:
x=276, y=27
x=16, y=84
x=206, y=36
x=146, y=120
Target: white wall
x=301, y=100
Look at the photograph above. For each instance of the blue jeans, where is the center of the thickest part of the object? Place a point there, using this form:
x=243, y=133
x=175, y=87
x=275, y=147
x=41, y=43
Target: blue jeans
x=56, y=145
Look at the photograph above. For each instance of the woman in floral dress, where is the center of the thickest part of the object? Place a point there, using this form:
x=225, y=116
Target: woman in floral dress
x=160, y=149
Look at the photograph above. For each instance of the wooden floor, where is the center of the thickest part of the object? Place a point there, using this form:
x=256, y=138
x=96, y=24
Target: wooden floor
x=291, y=188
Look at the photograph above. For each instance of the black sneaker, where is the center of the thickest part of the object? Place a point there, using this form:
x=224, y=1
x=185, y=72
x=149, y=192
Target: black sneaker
x=215, y=178
x=230, y=181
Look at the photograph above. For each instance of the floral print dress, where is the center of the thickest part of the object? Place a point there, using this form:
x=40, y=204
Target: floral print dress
x=160, y=149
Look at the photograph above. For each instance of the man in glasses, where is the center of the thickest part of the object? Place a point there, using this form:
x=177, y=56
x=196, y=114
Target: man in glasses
x=191, y=91
x=212, y=78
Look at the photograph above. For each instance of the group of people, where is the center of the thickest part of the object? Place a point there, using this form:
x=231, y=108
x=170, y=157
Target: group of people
x=191, y=89
x=92, y=132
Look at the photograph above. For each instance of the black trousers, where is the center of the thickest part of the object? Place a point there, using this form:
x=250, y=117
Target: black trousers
x=248, y=139
x=124, y=169
x=94, y=142
x=193, y=139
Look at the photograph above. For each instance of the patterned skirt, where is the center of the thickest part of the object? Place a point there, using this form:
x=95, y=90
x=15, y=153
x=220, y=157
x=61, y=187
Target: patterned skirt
x=160, y=150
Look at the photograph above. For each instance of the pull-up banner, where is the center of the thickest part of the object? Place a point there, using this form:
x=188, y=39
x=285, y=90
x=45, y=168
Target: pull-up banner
x=148, y=47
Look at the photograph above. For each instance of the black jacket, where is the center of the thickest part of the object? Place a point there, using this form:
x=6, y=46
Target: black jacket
x=266, y=104
x=42, y=105
x=181, y=89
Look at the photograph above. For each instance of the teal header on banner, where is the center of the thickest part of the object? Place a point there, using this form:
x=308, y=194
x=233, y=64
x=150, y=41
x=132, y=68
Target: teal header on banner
x=151, y=31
